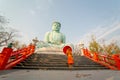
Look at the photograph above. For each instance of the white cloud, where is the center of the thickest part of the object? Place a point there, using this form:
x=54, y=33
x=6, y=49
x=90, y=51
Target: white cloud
x=51, y=2
x=102, y=32
x=38, y=7
x=113, y=39
x=114, y=28
x=33, y=12
x=41, y=6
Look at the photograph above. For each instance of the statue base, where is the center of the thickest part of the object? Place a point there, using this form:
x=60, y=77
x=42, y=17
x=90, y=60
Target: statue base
x=49, y=50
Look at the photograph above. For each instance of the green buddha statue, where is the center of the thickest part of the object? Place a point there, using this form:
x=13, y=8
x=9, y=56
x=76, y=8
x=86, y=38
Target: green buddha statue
x=53, y=39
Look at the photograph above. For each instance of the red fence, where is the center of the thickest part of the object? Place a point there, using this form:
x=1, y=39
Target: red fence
x=112, y=62
x=9, y=58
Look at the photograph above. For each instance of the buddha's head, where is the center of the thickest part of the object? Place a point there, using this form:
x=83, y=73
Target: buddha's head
x=56, y=26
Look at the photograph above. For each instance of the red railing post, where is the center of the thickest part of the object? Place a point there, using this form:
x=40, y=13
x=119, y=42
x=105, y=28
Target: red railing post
x=87, y=53
x=117, y=60
x=4, y=57
x=84, y=52
x=23, y=53
x=95, y=56
x=17, y=55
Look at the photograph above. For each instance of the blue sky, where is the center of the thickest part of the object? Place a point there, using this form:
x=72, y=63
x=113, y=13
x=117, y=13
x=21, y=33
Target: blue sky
x=79, y=18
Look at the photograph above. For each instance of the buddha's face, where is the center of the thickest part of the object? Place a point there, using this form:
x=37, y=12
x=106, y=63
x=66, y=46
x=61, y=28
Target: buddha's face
x=56, y=26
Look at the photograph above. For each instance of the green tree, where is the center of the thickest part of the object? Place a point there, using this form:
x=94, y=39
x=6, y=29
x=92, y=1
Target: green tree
x=94, y=46
x=112, y=48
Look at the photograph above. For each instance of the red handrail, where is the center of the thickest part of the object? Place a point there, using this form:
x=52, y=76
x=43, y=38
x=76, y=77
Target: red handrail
x=9, y=58
x=112, y=62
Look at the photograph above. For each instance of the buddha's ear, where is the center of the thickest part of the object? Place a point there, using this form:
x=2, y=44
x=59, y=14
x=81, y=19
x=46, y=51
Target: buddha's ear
x=59, y=24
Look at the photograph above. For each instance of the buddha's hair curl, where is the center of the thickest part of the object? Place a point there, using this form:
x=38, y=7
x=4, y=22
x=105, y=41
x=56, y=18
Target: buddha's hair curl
x=57, y=23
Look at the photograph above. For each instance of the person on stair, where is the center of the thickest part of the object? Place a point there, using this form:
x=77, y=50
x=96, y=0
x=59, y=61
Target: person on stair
x=68, y=51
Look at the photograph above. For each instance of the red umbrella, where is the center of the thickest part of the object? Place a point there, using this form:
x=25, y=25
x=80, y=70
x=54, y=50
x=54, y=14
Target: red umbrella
x=65, y=49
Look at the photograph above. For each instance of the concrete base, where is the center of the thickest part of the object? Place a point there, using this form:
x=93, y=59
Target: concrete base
x=59, y=75
x=50, y=50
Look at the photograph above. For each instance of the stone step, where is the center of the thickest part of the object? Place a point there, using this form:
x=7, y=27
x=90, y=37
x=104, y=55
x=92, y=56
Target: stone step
x=60, y=68
x=58, y=65
x=57, y=62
